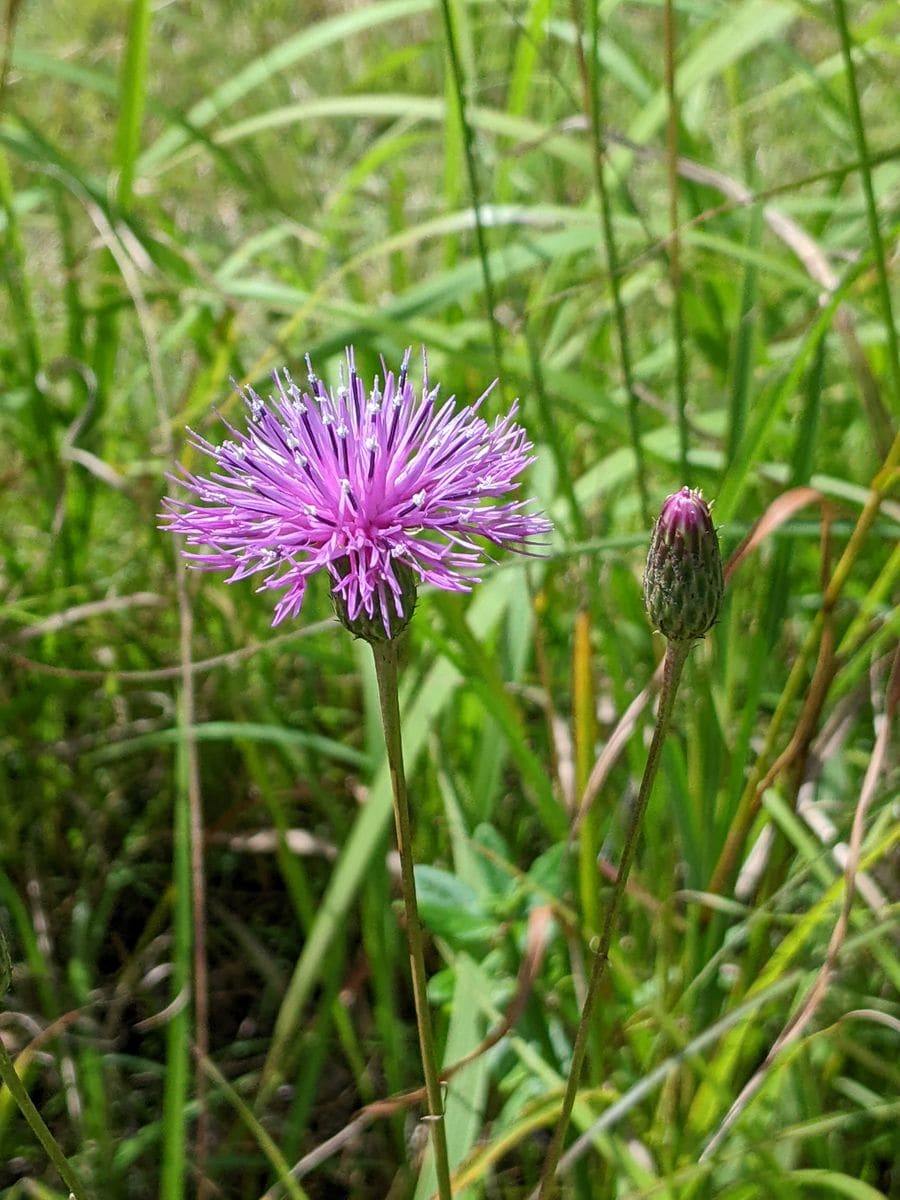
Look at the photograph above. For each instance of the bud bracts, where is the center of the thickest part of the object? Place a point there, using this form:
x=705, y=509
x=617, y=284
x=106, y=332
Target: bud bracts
x=390, y=618
x=683, y=581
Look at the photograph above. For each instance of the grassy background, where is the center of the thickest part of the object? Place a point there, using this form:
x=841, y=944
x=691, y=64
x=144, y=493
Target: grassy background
x=190, y=192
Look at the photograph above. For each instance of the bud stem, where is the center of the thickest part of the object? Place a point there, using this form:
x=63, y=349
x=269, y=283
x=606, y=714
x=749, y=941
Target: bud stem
x=386, y=672
x=676, y=654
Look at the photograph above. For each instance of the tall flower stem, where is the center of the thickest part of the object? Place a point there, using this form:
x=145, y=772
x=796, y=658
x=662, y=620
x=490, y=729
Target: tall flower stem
x=10, y=1077
x=387, y=673
x=676, y=654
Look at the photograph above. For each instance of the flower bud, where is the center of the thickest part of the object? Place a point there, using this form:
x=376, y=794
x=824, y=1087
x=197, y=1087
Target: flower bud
x=683, y=581
x=390, y=613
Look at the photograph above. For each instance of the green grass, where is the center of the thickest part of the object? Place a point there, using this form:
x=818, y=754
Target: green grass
x=192, y=193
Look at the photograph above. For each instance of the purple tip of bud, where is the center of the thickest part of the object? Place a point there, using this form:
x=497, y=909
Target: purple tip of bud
x=685, y=514
x=683, y=582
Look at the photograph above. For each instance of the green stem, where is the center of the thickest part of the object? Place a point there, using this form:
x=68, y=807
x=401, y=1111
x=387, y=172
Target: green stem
x=386, y=672
x=676, y=654
x=10, y=1077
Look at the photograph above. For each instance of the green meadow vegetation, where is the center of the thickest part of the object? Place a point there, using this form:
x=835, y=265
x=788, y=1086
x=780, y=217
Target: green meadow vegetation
x=671, y=231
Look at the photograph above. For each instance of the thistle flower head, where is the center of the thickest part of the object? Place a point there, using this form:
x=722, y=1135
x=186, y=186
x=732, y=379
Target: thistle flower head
x=382, y=487
x=683, y=582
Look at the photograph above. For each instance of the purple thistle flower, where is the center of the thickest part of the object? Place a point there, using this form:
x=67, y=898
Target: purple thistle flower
x=380, y=488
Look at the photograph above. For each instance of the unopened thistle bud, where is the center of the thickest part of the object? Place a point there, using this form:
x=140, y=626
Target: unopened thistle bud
x=683, y=581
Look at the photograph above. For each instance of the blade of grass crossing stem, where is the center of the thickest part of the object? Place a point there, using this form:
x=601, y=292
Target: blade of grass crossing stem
x=178, y=1027
x=467, y=1091
x=132, y=89
x=861, y=659
x=366, y=837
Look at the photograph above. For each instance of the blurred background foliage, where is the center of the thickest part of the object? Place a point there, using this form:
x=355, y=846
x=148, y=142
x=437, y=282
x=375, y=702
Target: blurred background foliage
x=192, y=192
